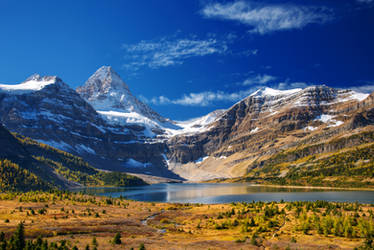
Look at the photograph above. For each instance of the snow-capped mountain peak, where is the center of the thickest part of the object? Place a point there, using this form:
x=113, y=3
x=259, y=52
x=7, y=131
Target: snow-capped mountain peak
x=106, y=91
x=266, y=91
x=33, y=83
x=111, y=97
x=273, y=99
x=107, y=78
x=103, y=81
x=34, y=77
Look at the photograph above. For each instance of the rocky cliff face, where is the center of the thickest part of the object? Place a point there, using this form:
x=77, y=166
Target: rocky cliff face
x=108, y=126
x=111, y=97
x=267, y=122
x=48, y=110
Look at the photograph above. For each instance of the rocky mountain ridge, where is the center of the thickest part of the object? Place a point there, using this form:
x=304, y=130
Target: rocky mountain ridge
x=27, y=165
x=48, y=110
x=104, y=123
x=265, y=123
x=112, y=99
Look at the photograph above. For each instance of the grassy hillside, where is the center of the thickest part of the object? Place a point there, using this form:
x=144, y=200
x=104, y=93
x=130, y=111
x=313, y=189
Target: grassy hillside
x=13, y=178
x=26, y=165
x=74, y=168
x=72, y=219
x=309, y=165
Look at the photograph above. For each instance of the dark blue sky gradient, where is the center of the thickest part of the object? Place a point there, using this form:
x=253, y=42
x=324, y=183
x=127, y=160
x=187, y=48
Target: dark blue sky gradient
x=72, y=39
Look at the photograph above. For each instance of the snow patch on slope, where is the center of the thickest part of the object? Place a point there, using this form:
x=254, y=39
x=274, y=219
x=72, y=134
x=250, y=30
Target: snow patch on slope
x=166, y=159
x=124, y=118
x=353, y=95
x=136, y=164
x=329, y=119
x=26, y=87
x=201, y=159
x=196, y=125
x=310, y=128
x=325, y=118
x=255, y=130
x=335, y=123
x=263, y=92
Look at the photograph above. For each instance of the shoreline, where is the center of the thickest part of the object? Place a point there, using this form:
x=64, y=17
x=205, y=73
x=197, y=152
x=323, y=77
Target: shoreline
x=311, y=187
x=227, y=181
x=249, y=183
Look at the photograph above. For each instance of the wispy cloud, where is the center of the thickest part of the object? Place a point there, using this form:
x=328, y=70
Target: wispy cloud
x=287, y=84
x=367, y=88
x=268, y=18
x=209, y=98
x=202, y=99
x=258, y=79
x=169, y=51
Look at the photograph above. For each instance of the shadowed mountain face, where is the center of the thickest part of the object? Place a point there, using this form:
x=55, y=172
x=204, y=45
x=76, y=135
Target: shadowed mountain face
x=106, y=91
x=27, y=165
x=10, y=147
x=266, y=123
x=31, y=175
x=48, y=110
x=104, y=123
x=111, y=97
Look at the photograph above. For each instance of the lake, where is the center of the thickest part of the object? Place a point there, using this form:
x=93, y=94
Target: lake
x=227, y=193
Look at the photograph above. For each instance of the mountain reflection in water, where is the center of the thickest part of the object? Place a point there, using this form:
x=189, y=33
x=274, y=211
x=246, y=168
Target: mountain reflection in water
x=226, y=193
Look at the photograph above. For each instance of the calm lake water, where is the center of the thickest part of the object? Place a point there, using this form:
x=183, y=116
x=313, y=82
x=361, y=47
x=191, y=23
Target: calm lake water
x=226, y=193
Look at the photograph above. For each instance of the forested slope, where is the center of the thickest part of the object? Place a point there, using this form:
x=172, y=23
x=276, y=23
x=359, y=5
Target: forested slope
x=26, y=164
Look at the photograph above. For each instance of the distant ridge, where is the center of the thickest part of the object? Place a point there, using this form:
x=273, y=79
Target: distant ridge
x=103, y=122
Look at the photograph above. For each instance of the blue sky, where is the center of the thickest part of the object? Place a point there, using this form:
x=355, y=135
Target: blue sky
x=189, y=57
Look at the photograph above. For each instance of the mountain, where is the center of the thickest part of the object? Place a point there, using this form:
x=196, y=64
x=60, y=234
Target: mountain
x=12, y=155
x=193, y=126
x=103, y=122
x=111, y=97
x=269, y=122
x=26, y=165
x=49, y=111
x=46, y=109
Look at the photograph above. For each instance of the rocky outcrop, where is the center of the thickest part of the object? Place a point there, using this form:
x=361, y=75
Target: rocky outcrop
x=270, y=121
x=48, y=110
x=104, y=123
x=111, y=97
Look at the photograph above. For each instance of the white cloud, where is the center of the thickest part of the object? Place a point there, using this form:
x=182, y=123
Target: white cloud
x=258, y=79
x=268, y=18
x=208, y=98
x=205, y=98
x=287, y=84
x=368, y=88
x=169, y=51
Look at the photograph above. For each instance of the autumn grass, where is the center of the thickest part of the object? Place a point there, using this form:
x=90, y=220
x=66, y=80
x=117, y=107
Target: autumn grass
x=78, y=218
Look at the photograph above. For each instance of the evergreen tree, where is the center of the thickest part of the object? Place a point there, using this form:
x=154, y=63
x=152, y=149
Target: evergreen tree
x=117, y=239
x=19, y=237
x=95, y=244
x=142, y=247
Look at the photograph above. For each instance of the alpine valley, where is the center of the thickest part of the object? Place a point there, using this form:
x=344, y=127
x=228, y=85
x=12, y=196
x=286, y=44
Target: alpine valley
x=313, y=136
